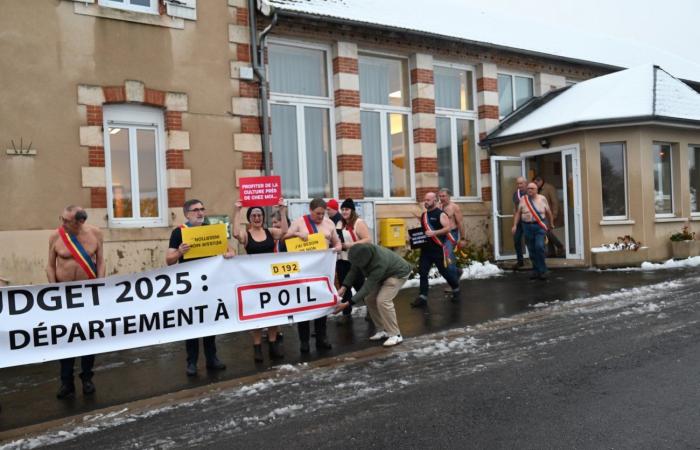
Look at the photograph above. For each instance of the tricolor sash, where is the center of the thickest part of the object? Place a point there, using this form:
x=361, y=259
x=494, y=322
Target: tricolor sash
x=185, y=225
x=535, y=214
x=80, y=255
x=445, y=250
x=454, y=238
x=310, y=224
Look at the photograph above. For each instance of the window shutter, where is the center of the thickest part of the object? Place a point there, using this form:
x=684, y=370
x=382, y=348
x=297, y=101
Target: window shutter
x=186, y=9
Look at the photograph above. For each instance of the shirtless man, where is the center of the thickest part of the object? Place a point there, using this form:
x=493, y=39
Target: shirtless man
x=455, y=236
x=315, y=221
x=534, y=214
x=63, y=266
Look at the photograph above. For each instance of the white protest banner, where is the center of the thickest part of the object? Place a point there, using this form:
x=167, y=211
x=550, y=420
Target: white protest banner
x=193, y=299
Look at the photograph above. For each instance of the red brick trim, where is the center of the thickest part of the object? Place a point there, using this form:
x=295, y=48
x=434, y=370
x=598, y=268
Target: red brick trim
x=174, y=159
x=427, y=135
x=421, y=191
x=347, y=97
x=176, y=197
x=429, y=165
x=486, y=193
x=242, y=16
x=343, y=64
x=98, y=197
x=250, y=124
x=485, y=166
x=486, y=84
x=346, y=130
x=423, y=105
x=154, y=97
x=488, y=112
x=243, y=52
x=351, y=192
x=249, y=89
x=96, y=156
x=422, y=76
x=350, y=163
x=173, y=120
x=94, y=115
x=114, y=94
x=252, y=160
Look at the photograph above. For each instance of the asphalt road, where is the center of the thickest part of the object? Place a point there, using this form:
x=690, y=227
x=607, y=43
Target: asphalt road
x=617, y=370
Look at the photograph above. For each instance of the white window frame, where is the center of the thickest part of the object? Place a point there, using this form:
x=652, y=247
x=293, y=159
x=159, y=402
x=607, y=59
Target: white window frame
x=384, y=111
x=512, y=76
x=673, y=197
x=457, y=114
x=133, y=117
x=624, y=168
x=302, y=101
x=692, y=148
x=127, y=6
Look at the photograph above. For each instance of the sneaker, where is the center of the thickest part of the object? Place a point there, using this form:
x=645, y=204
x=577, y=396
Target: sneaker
x=420, y=302
x=66, y=391
x=378, y=336
x=88, y=387
x=191, y=369
x=393, y=340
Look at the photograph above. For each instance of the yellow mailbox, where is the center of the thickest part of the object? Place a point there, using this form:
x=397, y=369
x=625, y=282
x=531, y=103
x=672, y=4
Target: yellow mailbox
x=392, y=232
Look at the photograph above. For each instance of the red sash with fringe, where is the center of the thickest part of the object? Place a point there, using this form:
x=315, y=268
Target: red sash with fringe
x=445, y=251
x=80, y=255
x=535, y=214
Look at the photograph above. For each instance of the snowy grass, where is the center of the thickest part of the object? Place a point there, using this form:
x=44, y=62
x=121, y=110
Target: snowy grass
x=474, y=271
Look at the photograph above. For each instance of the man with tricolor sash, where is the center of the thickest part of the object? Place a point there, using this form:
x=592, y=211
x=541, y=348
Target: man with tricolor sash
x=536, y=218
x=436, y=226
x=75, y=253
x=455, y=238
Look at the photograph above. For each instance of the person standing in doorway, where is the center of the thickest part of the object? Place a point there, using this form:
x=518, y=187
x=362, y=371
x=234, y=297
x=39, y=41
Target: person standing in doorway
x=195, y=213
x=535, y=215
x=554, y=245
x=75, y=254
x=520, y=192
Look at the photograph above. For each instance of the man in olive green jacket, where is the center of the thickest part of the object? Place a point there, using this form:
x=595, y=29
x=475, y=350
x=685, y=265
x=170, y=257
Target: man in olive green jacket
x=386, y=272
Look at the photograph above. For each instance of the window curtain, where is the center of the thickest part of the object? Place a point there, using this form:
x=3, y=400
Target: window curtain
x=371, y=154
x=318, y=149
x=444, y=153
x=448, y=88
x=505, y=94
x=298, y=71
x=374, y=80
x=397, y=130
x=285, y=152
x=466, y=158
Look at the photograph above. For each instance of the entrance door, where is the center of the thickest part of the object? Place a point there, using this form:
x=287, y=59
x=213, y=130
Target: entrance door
x=505, y=170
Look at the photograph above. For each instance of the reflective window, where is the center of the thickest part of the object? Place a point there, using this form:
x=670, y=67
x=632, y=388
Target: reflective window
x=613, y=180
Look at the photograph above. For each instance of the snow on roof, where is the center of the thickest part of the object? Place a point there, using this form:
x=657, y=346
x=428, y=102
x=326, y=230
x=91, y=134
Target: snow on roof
x=640, y=92
x=463, y=20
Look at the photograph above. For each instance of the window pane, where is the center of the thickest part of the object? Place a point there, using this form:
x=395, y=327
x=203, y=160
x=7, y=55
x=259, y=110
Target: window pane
x=505, y=94
x=285, y=152
x=121, y=172
x=295, y=70
x=450, y=88
x=612, y=174
x=444, y=153
x=318, y=152
x=523, y=91
x=383, y=81
x=371, y=154
x=466, y=147
x=148, y=175
x=694, y=168
x=399, y=181
x=663, y=194
x=146, y=3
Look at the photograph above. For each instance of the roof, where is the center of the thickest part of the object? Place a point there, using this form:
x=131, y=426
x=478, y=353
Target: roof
x=642, y=93
x=472, y=23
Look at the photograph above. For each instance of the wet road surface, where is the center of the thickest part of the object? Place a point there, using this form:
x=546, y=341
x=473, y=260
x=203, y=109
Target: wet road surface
x=27, y=393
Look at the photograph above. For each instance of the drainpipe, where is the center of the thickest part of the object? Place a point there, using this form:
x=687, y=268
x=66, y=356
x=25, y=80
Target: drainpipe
x=257, y=45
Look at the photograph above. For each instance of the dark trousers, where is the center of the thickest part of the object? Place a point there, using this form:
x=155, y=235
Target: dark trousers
x=192, y=346
x=518, y=241
x=87, y=362
x=534, y=238
x=319, y=328
x=343, y=268
x=428, y=257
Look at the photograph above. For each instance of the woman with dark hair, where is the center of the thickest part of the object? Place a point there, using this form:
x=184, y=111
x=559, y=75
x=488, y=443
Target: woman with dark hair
x=352, y=230
x=259, y=239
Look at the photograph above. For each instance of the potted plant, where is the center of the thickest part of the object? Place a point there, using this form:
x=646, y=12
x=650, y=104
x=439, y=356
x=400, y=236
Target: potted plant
x=625, y=252
x=683, y=243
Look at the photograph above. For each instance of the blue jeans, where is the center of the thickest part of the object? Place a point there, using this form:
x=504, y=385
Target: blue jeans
x=534, y=238
x=452, y=264
x=518, y=240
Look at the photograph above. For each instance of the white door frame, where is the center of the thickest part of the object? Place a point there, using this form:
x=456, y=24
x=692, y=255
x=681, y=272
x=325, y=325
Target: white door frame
x=495, y=202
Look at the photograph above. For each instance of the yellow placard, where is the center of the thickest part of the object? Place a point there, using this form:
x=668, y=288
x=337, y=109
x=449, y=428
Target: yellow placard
x=285, y=268
x=316, y=241
x=205, y=240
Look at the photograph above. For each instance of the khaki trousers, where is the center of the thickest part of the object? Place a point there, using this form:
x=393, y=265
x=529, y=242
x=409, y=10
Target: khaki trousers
x=380, y=302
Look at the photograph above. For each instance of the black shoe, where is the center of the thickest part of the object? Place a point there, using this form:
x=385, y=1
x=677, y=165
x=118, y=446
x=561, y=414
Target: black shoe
x=275, y=350
x=520, y=263
x=535, y=276
x=257, y=353
x=304, y=347
x=456, y=297
x=542, y=277
x=420, y=302
x=66, y=391
x=323, y=344
x=88, y=387
x=215, y=364
x=191, y=369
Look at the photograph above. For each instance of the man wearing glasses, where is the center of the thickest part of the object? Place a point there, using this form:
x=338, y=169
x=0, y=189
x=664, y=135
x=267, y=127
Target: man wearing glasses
x=195, y=213
x=75, y=254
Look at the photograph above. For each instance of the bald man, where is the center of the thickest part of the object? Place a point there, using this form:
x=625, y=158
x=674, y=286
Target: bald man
x=534, y=214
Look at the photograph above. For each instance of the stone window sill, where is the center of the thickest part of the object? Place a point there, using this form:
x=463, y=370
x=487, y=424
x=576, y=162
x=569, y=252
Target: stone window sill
x=129, y=16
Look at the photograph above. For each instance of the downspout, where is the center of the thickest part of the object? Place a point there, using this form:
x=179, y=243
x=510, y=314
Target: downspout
x=257, y=45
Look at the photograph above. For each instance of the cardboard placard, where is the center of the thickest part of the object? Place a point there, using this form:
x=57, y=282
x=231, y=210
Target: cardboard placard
x=260, y=191
x=205, y=240
x=417, y=237
x=315, y=241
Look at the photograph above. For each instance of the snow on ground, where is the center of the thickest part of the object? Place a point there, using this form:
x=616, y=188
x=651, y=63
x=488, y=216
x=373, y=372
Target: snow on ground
x=474, y=271
x=693, y=261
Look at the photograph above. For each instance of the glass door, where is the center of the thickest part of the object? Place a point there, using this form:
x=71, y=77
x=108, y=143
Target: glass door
x=505, y=171
x=572, y=204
